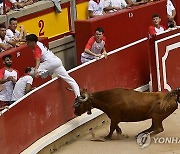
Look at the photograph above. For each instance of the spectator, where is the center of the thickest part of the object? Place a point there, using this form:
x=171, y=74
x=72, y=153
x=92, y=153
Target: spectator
x=156, y=28
x=95, y=8
x=46, y=60
x=114, y=5
x=8, y=78
x=20, y=3
x=95, y=46
x=5, y=42
x=7, y=9
x=23, y=85
x=171, y=12
x=136, y=2
x=13, y=33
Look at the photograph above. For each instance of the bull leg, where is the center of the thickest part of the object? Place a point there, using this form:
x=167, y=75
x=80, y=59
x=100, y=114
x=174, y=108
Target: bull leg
x=158, y=128
x=113, y=126
x=147, y=130
x=118, y=130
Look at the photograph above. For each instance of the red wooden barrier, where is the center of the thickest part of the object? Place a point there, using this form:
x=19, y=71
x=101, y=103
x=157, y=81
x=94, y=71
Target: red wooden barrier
x=177, y=6
x=52, y=106
x=121, y=27
x=22, y=57
x=156, y=58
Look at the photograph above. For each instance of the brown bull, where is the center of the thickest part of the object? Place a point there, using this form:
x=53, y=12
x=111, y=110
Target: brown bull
x=123, y=105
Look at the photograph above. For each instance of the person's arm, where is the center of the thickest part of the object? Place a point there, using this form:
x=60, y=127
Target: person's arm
x=92, y=53
x=10, y=78
x=104, y=52
x=91, y=15
x=28, y=88
x=171, y=18
x=4, y=47
x=152, y=30
x=13, y=43
x=37, y=66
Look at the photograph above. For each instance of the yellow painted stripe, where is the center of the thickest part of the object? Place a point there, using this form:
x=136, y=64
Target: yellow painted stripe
x=82, y=10
x=48, y=25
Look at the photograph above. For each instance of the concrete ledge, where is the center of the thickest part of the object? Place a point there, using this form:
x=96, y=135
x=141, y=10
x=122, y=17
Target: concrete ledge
x=62, y=41
x=33, y=8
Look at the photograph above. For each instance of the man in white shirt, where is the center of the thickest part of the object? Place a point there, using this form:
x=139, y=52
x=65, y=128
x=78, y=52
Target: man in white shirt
x=95, y=8
x=8, y=78
x=23, y=85
x=114, y=5
x=5, y=42
x=46, y=60
x=171, y=12
x=12, y=33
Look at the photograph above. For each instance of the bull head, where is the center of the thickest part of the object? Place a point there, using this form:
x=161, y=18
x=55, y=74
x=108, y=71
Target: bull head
x=82, y=103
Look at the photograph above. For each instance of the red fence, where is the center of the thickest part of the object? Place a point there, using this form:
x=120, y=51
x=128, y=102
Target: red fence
x=177, y=6
x=52, y=105
x=165, y=73
x=121, y=27
x=22, y=57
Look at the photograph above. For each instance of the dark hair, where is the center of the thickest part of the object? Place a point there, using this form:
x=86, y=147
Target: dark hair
x=99, y=29
x=2, y=25
x=12, y=19
x=31, y=37
x=155, y=15
x=6, y=56
x=27, y=69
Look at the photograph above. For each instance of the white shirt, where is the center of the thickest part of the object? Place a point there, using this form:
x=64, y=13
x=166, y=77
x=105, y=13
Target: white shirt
x=10, y=34
x=5, y=42
x=170, y=7
x=159, y=30
x=96, y=8
x=115, y=3
x=20, y=87
x=6, y=92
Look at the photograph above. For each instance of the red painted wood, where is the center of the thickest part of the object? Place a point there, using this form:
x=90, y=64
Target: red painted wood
x=152, y=60
x=52, y=105
x=177, y=6
x=172, y=64
x=122, y=27
x=22, y=57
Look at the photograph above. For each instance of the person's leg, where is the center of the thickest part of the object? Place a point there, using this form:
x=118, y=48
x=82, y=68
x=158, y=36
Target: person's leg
x=61, y=72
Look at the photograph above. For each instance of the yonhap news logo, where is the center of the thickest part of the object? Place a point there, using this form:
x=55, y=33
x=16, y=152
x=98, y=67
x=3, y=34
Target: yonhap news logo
x=144, y=140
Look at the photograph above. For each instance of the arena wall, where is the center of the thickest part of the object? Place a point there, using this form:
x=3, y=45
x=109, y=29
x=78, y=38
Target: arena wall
x=50, y=105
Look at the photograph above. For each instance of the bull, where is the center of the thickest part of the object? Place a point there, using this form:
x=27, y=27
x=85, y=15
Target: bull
x=125, y=105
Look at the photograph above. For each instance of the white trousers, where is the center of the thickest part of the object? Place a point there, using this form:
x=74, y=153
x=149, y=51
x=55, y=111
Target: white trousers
x=54, y=65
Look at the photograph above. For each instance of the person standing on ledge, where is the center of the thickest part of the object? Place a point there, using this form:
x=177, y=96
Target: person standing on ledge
x=47, y=61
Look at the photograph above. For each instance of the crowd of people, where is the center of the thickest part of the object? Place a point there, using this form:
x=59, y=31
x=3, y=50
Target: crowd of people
x=102, y=7
x=14, y=5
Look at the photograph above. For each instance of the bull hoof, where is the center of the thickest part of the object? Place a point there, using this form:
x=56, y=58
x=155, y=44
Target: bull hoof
x=121, y=136
x=107, y=138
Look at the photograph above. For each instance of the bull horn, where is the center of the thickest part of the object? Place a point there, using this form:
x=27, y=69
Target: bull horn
x=69, y=89
x=83, y=99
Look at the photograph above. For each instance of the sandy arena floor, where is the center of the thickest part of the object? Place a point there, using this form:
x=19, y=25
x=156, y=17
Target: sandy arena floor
x=84, y=145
